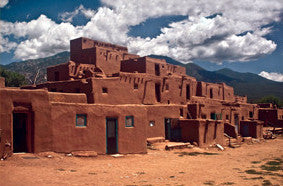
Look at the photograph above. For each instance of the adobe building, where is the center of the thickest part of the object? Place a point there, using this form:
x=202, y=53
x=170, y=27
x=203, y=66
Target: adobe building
x=109, y=101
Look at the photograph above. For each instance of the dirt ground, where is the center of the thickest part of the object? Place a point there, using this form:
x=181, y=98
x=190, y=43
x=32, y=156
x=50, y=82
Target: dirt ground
x=254, y=164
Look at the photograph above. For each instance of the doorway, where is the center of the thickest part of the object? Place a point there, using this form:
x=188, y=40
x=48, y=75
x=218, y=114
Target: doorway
x=157, y=92
x=111, y=136
x=236, y=121
x=188, y=92
x=157, y=69
x=167, y=123
x=22, y=132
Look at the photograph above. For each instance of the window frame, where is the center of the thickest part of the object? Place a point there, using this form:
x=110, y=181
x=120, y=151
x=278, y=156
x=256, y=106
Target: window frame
x=85, y=120
x=126, y=123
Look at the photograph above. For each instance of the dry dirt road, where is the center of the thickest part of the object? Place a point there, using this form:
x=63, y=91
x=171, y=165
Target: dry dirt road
x=256, y=164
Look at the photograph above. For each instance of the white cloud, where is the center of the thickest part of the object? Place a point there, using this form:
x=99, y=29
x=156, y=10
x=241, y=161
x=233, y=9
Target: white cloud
x=272, y=76
x=3, y=3
x=198, y=37
x=68, y=16
x=6, y=45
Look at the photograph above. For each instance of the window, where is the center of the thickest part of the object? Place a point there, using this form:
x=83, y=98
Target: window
x=227, y=117
x=81, y=120
x=167, y=86
x=251, y=114
x=151, y=123
x=211, y=93
x=181, y=112
x=213, y=116
x=53, y=90
x=104, y=90
x=129, y=121
x=136, y=86
x=56, y=76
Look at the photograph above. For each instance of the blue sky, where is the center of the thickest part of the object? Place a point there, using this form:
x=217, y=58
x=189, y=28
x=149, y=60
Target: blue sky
x=243, y=35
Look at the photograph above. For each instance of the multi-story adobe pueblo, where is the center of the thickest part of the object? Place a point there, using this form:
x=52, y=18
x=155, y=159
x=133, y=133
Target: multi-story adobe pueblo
x=109, y=101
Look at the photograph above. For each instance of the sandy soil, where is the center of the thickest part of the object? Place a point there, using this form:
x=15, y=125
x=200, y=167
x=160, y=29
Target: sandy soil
x=240, y=166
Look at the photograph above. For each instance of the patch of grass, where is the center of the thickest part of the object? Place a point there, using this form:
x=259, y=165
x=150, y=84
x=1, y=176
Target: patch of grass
x=257, y=178
x=73, y=170
x=92, y=173
x=228, y=183
x=266, y=183
x=61, y=169
x=196, y=153
x=209, y=183
x=273, y=163
x=182, y=172
x=140, y=173
x=252, y=171
x=271, y=168
x=255, y=162
x=172, y=177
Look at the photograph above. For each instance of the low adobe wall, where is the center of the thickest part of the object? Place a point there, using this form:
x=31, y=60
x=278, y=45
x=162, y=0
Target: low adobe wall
x=252, y=129
x=204, y=132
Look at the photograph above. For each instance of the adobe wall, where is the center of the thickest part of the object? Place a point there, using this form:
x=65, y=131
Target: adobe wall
x=2, y=82
x=219, y=91
x=134, y=88
x=62, y=71
x=21, y=101
x=68, y=137
x=158, y=113
x=252, y=129
x=268, y=116
x=204, y=132
x=109, y=61
x=71, y=86
x=67, y=98
x=148, y=65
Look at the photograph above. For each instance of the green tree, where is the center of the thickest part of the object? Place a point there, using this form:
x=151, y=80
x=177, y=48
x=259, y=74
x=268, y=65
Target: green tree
x=270, y=99
x=12, y=79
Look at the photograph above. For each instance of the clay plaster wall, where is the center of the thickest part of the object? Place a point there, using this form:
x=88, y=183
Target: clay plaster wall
x=2, y=82
x=16, y=100
x=68, y=137
x=158, y=113
x=204, y=132
x=252, y=129
x=62, y=71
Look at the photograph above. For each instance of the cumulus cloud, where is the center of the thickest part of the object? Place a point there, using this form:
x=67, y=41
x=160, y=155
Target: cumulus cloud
x=3, y=3
x=68, y=16
x=272, y=76
x=235, y=34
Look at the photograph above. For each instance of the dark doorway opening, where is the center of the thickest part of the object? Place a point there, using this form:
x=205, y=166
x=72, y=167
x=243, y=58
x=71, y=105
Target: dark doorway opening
x=22, y=132
x=111, y=136
x=211, y=93
x=56, y=76
x=157, y=92
x=157, y=69
x=188, y=92
x=236, y=121
x=167, y=122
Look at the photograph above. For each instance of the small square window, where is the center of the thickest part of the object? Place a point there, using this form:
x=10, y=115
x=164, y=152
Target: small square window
x=136, y=86
x=81, y=120
x=104, y=90
x=129, y=121
x=151, y=123
x=167, y=86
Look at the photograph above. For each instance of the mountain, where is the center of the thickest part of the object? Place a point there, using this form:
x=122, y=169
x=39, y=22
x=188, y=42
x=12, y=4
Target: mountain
x=252, y=85
x=31, y=68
